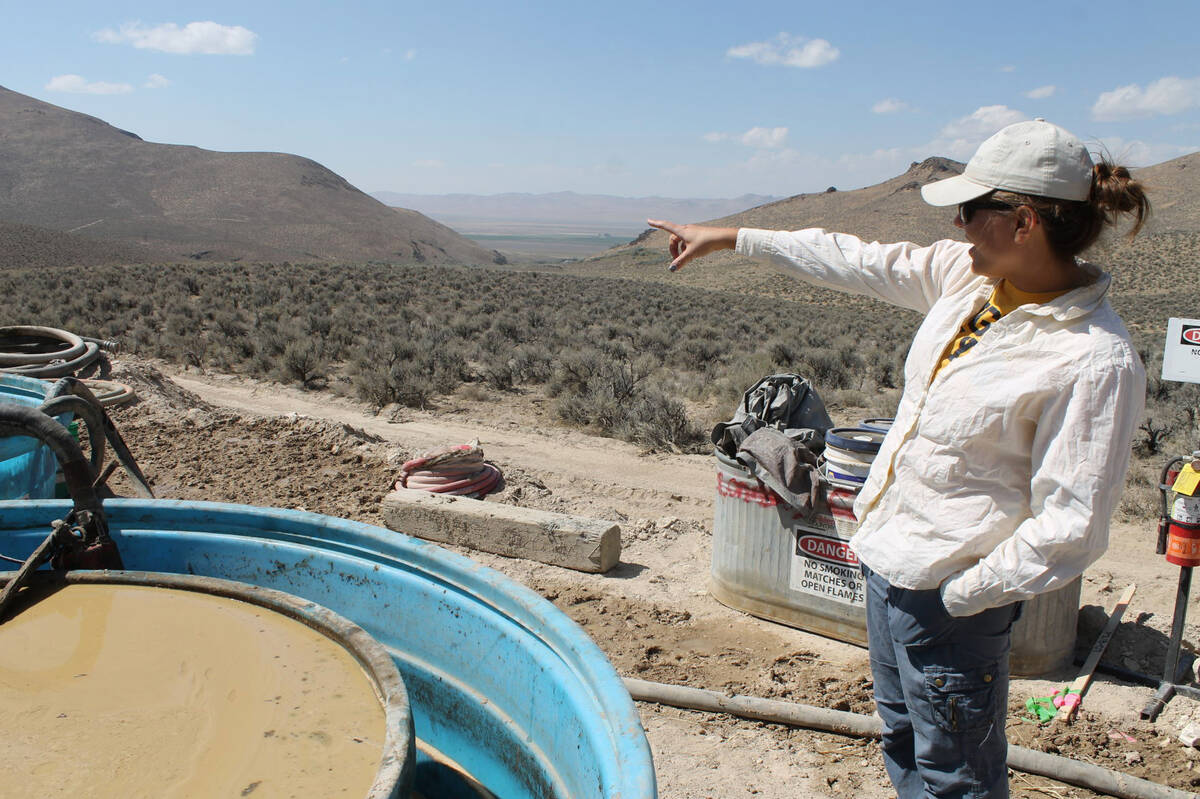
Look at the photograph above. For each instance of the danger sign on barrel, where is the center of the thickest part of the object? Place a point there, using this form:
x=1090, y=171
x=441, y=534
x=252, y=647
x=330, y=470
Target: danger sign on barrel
x=827, y=567
x=1181, y=355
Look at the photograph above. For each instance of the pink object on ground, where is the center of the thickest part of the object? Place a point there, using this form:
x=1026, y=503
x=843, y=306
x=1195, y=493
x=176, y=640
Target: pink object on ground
x=458, y=469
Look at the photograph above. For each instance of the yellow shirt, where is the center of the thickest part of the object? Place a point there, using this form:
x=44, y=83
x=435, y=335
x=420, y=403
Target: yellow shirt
x=1005, y=297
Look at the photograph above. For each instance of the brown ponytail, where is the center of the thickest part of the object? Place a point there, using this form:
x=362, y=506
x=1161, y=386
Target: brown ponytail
x=1072, y=227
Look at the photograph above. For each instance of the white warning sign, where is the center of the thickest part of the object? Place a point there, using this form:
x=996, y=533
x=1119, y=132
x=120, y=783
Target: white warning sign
x=826, y=567
x=1181, y=355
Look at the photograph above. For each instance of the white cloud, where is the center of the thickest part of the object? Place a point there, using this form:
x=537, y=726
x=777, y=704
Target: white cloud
x=960, y=138
x=1008, y=68
x=764, y=138
x=788, y=51
x=206, y=38
x=758, y=137
x=982, y=122
x=1136, y=153
x=429, y=163
x=1169, y=95
x=410, y=54
x=889, y=106
x=75, y=84
x=156, y=81
x=1041, y=92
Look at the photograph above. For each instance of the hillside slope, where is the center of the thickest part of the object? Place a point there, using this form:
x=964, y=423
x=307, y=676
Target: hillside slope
x=70, y=172
x=894, y=211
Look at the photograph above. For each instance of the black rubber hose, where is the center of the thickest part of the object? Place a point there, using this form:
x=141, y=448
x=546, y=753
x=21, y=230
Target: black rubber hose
x=108, y=345
x=21, y=420
x=75, y=345
x=90, y=354
x=76, y=388
x=91, y=419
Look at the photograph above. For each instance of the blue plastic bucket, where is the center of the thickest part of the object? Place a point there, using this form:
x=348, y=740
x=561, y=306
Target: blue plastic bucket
x=499, y=680
x=27, y=467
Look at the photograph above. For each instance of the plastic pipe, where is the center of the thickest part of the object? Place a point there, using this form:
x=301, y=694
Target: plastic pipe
x=1063, y=769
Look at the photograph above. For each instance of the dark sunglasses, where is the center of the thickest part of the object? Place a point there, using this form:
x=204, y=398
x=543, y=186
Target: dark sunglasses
x=985, y=203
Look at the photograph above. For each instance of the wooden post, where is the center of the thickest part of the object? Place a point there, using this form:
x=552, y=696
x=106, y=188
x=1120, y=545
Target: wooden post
x=1078, y=688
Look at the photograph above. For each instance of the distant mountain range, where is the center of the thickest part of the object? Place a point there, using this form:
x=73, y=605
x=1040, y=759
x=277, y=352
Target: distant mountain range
x=598, y=213
x=75, y=190
x=69, y=174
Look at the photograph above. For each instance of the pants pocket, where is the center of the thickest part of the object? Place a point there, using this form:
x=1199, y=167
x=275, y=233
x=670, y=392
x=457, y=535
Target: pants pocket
x=918, y=618
x=962, y=701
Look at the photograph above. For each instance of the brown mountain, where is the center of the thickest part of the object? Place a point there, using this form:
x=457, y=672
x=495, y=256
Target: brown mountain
x=1174, y=188
x=894, y=211
x=72, y=173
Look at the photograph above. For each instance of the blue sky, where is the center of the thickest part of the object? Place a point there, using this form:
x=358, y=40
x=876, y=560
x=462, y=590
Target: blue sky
x=695, y=99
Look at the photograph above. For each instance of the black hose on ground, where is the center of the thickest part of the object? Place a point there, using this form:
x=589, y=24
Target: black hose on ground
x=1063, y=769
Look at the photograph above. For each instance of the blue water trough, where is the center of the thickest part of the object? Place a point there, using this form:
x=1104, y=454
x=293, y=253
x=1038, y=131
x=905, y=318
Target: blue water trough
x=500, y=681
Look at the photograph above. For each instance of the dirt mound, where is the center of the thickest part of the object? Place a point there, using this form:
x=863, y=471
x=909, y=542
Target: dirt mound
x=299, y=463
x=152, y=387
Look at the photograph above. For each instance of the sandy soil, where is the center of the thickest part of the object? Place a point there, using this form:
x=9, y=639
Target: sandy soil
x=216, y=437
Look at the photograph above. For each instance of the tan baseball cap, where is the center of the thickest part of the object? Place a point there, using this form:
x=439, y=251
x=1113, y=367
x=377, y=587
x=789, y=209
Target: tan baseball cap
x=1034, y=157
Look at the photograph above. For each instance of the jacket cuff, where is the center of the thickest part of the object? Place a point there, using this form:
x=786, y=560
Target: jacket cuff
x=954, y=601
x=753, y=242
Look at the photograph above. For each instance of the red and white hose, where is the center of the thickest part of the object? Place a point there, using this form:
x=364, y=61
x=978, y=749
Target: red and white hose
x=458, y=470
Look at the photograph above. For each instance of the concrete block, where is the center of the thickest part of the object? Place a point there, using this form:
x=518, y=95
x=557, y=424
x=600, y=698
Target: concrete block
x=574, y=542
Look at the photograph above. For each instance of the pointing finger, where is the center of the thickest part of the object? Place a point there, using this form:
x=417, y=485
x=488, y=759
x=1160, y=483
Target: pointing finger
x=664, y=225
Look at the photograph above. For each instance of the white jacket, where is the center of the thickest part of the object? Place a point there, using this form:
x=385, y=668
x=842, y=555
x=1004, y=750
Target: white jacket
x=1000, y=474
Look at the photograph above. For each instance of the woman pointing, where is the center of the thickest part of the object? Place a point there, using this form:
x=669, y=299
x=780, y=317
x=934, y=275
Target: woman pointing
x=1009, y=449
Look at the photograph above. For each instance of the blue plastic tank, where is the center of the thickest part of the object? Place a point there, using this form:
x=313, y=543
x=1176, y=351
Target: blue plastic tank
x=500, y=681
x=27, y=467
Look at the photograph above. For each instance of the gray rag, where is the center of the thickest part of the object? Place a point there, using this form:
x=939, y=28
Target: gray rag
x=784, y=465
x=785, y=402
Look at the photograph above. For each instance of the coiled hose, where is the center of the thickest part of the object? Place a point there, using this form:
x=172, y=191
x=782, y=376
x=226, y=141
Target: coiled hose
x=458, y=470
x=36, y=351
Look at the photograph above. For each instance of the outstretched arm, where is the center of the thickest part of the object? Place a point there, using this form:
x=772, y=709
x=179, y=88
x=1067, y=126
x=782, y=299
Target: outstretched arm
x=689, y=242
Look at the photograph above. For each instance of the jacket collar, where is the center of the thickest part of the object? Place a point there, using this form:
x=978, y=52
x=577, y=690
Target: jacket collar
x=1077, y=302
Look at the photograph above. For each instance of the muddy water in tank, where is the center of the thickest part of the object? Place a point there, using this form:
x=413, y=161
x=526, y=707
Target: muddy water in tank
x=111, y=690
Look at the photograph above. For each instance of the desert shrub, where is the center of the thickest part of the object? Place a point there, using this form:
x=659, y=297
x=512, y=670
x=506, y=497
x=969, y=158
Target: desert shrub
x=399, y=384
x=647, y=417
x=410, y=333
x=823, y=368
x=532, y=363
x=301, y=361
x=499, y=375
x=659, y=422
